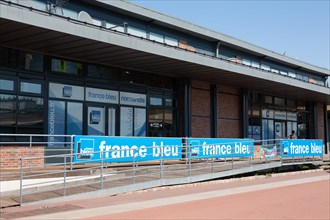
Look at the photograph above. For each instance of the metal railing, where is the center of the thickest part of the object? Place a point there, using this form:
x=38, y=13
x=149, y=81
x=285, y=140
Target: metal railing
x=70, y=178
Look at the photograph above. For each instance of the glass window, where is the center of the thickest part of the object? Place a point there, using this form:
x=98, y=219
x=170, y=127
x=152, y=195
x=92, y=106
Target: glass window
x=31, y=61
x=255, y=64
x=7, y=110
x=156, y=81
x=137, y=32
x=291, y=103
x=65, y=66
x=56, y=123
x=246, y=62
x=8, y=57
x=133, y=77
x=168, y=123
x=268, y=99
x=156, y=113
x=30, y=111
x=171, y=41
x=283, y=73
x=169, y=101
x=156, y=37
x=156, y=101
x=6, y=85
x=103, y=72
x=293, y=75
x=140, y=121
x=30, y=87
x=279, y=101
x=114, y=27
x=74, y=118
x=265, y=67
x=274, y=70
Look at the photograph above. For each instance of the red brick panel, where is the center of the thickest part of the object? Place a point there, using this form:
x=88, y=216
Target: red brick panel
x=230, y=128
x=320, y=121
x=200, y=104
x=10, y=156
x=200, y=109
x=229, y=106
x=200, y=127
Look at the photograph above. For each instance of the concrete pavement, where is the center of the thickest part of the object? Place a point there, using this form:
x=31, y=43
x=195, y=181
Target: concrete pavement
x=139, y=201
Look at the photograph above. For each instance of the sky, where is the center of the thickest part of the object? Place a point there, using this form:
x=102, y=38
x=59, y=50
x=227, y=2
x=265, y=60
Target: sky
x=297, y=28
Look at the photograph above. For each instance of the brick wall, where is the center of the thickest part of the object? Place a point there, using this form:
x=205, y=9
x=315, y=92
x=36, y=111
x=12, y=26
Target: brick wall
x=200, y=109
x=10, y=156
x=229, y=112
x=320, y=121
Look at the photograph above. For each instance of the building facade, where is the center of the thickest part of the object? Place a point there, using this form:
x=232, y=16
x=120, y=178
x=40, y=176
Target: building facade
x=114, y=68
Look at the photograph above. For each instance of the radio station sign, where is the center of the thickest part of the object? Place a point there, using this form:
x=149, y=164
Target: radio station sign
x=125, y=149
x=301, y=148
x=219, y=147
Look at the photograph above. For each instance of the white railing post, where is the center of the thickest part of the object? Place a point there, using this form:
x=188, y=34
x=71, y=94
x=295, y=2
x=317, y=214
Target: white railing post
x=64, y=175
x=161, y=163
x=71, y=152
x=21, y=183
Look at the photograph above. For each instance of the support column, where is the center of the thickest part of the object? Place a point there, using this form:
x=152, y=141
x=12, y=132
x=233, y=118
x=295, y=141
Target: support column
x=214, y=110
x=245, y=113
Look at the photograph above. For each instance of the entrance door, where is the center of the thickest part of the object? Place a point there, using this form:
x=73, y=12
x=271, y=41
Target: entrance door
x=101, y=120
x=280, y=131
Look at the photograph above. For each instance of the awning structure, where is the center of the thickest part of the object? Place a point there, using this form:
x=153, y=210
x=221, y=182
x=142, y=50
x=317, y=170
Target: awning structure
x=57, y=36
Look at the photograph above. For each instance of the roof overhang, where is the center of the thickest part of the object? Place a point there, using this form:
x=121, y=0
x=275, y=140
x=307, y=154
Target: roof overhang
x=56, y=36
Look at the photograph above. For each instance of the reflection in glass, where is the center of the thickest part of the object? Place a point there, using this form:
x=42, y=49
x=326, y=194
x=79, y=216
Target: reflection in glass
x=7, y=110
x=30, y=111
x=6, y=85
x=31, y=87
x=74, y=118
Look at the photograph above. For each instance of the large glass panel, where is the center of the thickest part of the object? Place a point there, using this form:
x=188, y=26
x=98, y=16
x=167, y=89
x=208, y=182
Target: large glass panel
x=133, y=77
x=291, y=126
x=169, y=101
x=140, y=122
x=111, y=121
x=255, y=64
x=279, y=101
x=96, y=121
x=74, y=118
x=136, y=32
x=168, y=123
x=103, y=72
x=56, y=122
x=7, y=110
x=126, y=121
x=8, y=57
x=156, y=117
x=157, y=101
x=65, y=66
x=6, y=85
x=30, y=111
x=31, y=61
x=30, y=87
x=267, y=130
x=156, y=37
x=171, y=41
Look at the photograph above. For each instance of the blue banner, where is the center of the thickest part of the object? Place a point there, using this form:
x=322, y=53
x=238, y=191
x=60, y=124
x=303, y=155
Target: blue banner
x=219, y=147
x=300, y=148
x=125, y=149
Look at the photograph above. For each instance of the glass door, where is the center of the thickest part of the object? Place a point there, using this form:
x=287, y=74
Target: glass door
x=95, y=120
x=101, y=120
x=280, y=131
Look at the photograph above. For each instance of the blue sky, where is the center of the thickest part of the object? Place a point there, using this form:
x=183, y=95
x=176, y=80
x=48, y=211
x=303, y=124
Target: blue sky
x=300, y=29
